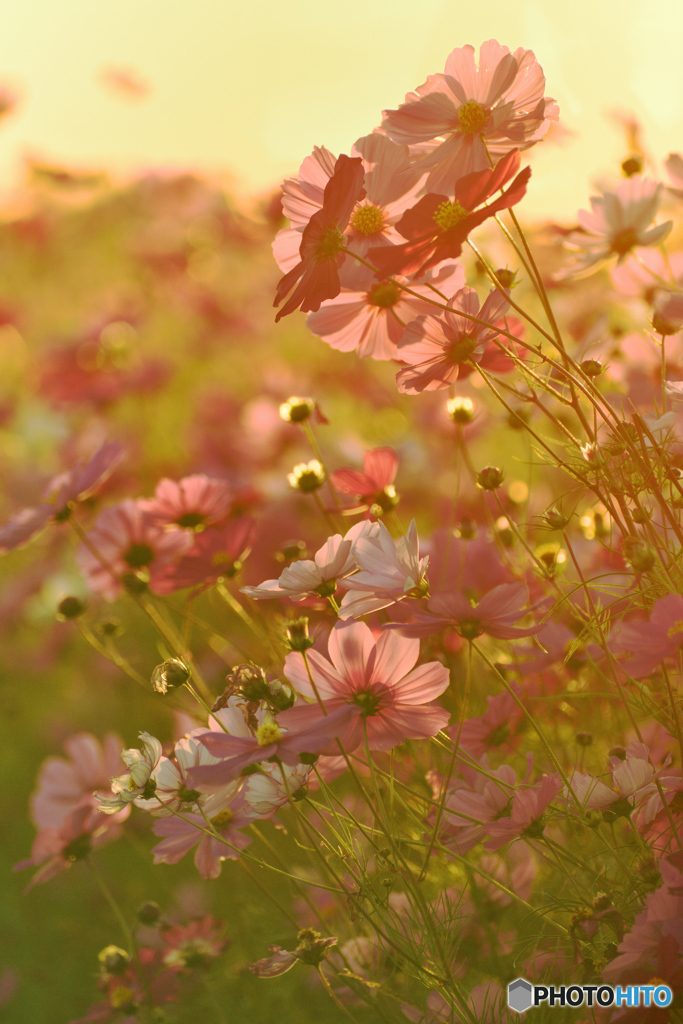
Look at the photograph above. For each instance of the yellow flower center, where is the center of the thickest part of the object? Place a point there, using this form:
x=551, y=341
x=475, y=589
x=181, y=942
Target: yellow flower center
x=675, y=629
x=472, y=117
x=222, y=819
x=330, y=244
x=461, y=350
x=268, y=733
x=368, y=220
x=448, y=215
x=624, y=241
x=385, y=294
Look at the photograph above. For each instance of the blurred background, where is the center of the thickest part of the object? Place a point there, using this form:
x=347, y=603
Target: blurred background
x=133, y=309
x=248, y=89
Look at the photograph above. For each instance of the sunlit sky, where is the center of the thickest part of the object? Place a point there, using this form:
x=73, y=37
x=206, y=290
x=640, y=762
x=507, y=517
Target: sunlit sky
x=247, y=89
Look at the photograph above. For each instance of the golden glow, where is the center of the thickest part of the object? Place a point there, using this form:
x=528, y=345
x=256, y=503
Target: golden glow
x=249, y=90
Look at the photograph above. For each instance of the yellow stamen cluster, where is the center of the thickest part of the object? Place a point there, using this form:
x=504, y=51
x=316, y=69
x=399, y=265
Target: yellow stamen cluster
x=448, y=215
x=368, y=220
x=267, y=733
x=385, y=294
x=675, y=629
x=222, y=819
x=472, y=116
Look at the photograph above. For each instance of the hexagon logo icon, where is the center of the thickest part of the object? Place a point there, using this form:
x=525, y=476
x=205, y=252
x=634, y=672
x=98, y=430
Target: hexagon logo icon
x=520, y=995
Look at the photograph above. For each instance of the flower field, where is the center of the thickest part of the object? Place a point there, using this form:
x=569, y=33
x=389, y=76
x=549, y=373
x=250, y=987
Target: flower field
x=342, y=652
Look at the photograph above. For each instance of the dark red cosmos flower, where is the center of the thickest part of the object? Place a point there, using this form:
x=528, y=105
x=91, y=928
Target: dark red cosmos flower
x=322, y=242
x=436, y=227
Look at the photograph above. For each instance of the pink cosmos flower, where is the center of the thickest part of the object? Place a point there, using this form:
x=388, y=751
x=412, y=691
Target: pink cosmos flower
x=195, y=944
x=57, y=847
x=436, y=227
x=391, y=183
x=127, y=541
x=435, y=347
x=287, y=745
x=272, y=787
x=375, y=484
x=526, y=813
x=65, y=785
x=306, y=577
x=638, y=277
x=493, y=615
x=470, y=805
x=194, y=502
x=490, y=730
x=371, y=322
x=322, y=241
x=618, y=223
x=389, y=571
x=660, y=919
x=471, y=566
x=227, y=812
x=377, y=677
x=215, y=553
x=478, y=111
x=645, y=644
x=63, y=492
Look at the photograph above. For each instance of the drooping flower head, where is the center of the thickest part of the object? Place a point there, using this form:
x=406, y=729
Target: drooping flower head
x=126, y=542
x=437, y=227
x=322, y=242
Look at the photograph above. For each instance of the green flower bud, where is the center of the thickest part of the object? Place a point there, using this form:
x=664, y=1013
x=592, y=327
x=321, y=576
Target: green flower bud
x=170, y=675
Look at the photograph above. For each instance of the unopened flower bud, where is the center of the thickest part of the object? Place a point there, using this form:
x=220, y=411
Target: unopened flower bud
x=70, y=608
x=148, y=912
x=460, y=409
x=506, y=277
x=632, y=165
x=490, y=478
x=638, y=554
x=297, y=635
x=109, y=627
x=280, y=695
x=291, y=551
x=551, y=556
x=584, y=739
x=591, y=367
x=296, y=409
x=307, y=476
x=518, y=418
x=113, y=960
x=170, y=675
x=619, y=752
x=555, y=519
x=641, y=515
x=467, y=529
x=668, y=315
